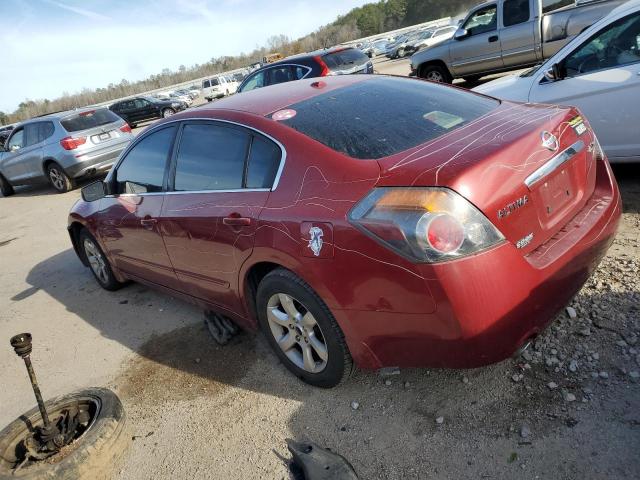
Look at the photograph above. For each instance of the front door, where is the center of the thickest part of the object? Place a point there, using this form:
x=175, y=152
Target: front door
x=221, y=181
x=480, y=50
x=23, y=161
x=603, y=81
x=129, y=226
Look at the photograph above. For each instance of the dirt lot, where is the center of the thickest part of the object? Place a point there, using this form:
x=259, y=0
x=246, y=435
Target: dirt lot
x=568, y=409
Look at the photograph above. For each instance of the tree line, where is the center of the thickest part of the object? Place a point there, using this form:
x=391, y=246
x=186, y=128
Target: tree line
x=368, y=20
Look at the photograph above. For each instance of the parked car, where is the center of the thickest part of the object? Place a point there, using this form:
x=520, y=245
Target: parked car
x=62, y=148
x=218, y=87
x=405, y=46
x=335, y=61
x=597, y=72
x=142, y=109
x=192, y=94
x=375, y=48
x=4, y=133
x=436, y=36
x=505, y=35
x=449, y=237
x=174, y=96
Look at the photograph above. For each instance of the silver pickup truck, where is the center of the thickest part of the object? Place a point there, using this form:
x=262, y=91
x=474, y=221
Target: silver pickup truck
x=503, y=35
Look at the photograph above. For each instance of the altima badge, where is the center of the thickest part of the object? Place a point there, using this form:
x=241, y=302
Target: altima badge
x=549, y=141
x=315, y=240
x=513, y=206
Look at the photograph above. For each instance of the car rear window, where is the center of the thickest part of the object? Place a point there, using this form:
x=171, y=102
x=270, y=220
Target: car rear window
x=88, y=119
x=384, y=116
x=345, y=59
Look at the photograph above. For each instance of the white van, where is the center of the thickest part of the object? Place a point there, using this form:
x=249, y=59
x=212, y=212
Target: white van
x=218, y=87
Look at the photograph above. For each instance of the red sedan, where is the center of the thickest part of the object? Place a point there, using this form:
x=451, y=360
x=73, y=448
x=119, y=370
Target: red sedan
x=360, y=220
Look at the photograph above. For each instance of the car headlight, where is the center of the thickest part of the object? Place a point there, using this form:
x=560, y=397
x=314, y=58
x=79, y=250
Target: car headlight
x=424, y=224
x=176, y=104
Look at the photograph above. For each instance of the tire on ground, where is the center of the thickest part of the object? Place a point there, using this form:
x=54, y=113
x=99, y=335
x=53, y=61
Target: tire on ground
x=431, y=71
x=95, y=455
x=112, y=283
x=66, y=182
x=339, y=364
x=5, y=187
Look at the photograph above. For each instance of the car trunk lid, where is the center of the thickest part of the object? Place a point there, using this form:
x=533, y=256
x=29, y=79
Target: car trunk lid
x=529, y=169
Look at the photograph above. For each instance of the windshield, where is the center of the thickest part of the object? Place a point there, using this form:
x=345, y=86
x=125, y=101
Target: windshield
x=360, y=122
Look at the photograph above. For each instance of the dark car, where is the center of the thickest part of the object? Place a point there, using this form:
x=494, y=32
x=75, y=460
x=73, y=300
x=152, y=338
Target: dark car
x=140, y=109
x=448, y=237
x=336, y=61
x=4, y=133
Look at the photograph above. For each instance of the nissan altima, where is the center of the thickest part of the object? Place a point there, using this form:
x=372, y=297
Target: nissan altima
x=360, y=220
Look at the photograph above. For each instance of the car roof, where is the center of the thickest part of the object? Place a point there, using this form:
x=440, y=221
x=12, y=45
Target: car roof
x=307, y=55
x=263, y=101
x=59, y=115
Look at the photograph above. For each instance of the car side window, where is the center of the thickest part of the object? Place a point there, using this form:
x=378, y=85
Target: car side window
x=254, y=81
x=281, y=74
x=140, y=103
x=482, y=21
x=31, y=134
x=263, y=163
x=299, y=72
x=515, y=12
x=206, y=84
x=17, y=140
x=616, y=45
x=210, y=157
x=143, y=168
x=45, y=130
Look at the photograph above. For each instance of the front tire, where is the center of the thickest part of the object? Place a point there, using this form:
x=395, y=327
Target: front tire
x=167, y=112
x=435, y=73
x=59, y=179
x=301, y=330
x=98, y=262
x=5, y=187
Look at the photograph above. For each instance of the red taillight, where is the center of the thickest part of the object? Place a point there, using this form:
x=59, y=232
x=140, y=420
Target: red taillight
x=70, y=143
x=125, y=128
x=442, y=232
x=325, y=69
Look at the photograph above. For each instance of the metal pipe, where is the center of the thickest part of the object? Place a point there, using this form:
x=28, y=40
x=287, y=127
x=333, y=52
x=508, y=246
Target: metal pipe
x=21, y=343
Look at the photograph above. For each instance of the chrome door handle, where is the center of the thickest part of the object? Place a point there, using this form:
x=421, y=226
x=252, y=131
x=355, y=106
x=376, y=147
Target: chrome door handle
x=236, y=221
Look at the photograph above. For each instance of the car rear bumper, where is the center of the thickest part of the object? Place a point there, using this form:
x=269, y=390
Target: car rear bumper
x=95, y=163
x=490, y=304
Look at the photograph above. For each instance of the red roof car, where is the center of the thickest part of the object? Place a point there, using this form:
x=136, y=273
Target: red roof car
x=367, y=220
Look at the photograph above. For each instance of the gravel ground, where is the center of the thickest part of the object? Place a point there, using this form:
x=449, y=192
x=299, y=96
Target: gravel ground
x=568, y=408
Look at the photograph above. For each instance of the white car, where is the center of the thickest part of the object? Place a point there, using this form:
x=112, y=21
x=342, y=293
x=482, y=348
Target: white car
x=437, y=36
x=171, y=95
x=598, y=72
x=218, y=87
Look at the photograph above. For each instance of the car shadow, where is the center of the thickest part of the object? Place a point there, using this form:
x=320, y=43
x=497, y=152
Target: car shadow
x=395, y=419
x=44, y=189
x=628, y=177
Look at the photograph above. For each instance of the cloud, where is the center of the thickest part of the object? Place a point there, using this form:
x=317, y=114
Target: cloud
x=80, y=11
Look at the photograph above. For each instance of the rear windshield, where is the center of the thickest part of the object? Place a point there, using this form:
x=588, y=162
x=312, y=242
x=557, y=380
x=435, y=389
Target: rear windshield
x=385, y=115
x=87, y=120
x=345, y=59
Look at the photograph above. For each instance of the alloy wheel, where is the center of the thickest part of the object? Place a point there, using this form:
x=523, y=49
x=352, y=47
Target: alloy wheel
x=96, y=260
x=57, y=178
x=297, y=333
x=167, y=113
x=435, y=76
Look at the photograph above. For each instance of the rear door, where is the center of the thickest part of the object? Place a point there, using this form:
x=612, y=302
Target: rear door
x=603, y=81
x=479, y=51
x=221, y=178
x=129, y=221
x=23, y=161
x=517, y=34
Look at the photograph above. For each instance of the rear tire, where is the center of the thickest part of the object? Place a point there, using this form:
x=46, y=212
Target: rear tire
x=301, y=330
x=5, y=187
x=98, y=262
x=435, y=73
x=59, y=179
x=400, y=53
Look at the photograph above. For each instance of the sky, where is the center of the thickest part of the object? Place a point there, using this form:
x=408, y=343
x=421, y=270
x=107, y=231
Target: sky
x=55, y=46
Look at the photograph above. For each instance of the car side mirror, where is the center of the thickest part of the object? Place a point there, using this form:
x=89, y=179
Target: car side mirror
x=94, y=191
x=555, y=73
x=461, y=34
x=13, y=148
